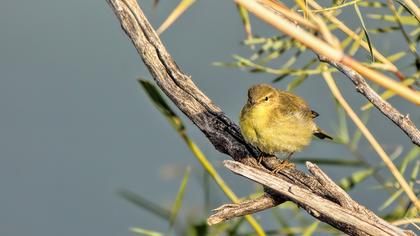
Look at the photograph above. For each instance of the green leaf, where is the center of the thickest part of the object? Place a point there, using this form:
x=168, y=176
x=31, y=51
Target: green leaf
x=355, y=178
x=371, y=4
x=343, y=131
x=301, y=78
x=412, y=155
x=359, y=15
x=355, y=45
x=142, y=231
x=414, y=173
x=145, y=204
x=396, y=56
x=294, y=58
x=296, y=82
x=162, y=106
x=311, y=229
x=406, y=20
x=346, y=42
x=415, y=32
x=358, y=134
x=384, y=30
x=391, y=199
x=179, y=197
x=243, y=13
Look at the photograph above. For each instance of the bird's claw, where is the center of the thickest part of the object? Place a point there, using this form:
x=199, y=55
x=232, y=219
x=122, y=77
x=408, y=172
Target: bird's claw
x=284, y=164
x=259, y=159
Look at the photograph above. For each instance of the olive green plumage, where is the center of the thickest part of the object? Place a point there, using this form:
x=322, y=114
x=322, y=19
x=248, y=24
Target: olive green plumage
x=277, y=121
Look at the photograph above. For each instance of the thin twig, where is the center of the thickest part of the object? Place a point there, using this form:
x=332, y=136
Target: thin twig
x=220, y=130
x=322, y=48
x=357, y=38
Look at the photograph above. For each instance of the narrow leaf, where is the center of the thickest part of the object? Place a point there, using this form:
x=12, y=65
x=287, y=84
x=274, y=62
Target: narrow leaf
x=146, y=232
x=359, y=15
x=356, y=178
x=161, y=104
x=243, y=13
x=179, y=197
x=145, y=204
x=412, y=155
x=391, y=199
x=311, y=229
x=405, y=20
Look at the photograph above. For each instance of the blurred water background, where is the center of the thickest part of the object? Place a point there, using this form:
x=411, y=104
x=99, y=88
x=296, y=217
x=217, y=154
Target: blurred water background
x=75, y=127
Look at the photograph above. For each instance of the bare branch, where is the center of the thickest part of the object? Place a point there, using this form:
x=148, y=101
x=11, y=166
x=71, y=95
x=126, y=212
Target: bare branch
x=229, y=211
x=218, y=128
x=350, y=221
x=403, y=122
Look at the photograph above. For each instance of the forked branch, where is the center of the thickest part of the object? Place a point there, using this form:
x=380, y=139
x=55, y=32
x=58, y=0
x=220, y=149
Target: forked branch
x=402, y=121
x=342, y=210
x=225, y=135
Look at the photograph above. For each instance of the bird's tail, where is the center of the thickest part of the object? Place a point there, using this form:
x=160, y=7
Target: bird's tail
x=321, y=134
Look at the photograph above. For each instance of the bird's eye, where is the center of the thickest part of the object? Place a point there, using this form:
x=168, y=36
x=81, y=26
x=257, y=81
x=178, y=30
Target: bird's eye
x=266, y=98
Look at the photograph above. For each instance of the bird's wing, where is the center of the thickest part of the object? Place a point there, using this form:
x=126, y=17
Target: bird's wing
x=296, y=107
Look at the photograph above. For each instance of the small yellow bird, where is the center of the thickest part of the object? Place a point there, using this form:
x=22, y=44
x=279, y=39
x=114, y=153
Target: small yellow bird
x=278, y=121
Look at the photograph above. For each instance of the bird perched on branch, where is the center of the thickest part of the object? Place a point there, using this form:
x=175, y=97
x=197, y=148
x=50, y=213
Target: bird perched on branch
x=276, y=121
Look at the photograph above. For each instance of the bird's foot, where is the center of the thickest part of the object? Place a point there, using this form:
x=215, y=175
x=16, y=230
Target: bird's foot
x=260, y=159
x=284, y=164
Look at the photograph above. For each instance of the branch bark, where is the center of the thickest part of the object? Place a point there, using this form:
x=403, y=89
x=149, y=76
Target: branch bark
x=229, y=211
x=402, y=121
x=219, y=129
x=353, y=218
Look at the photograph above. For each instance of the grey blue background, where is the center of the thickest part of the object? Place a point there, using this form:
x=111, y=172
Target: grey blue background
x=75, y=127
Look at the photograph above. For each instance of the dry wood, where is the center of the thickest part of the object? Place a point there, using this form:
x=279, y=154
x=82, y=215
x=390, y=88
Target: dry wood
x=352, y=218
x=222, y=132
x=402, y=121
x=229, y=211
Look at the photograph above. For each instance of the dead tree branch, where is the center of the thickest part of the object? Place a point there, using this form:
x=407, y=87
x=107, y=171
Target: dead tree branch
x=219, y=129
x=229, y=211
x=403, y=122
x=353, y=218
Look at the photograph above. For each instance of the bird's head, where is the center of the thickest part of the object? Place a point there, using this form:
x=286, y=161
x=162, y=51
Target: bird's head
x=262, y=94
